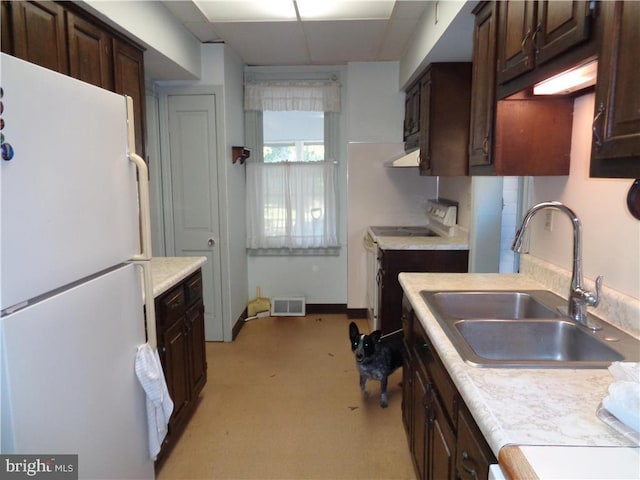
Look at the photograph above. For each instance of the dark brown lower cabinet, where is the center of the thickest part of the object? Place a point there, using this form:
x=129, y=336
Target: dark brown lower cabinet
x=181, y=344
x=393, y=262
x=445, y=442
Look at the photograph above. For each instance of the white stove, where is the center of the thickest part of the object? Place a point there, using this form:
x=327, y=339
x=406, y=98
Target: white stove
x=441, y=221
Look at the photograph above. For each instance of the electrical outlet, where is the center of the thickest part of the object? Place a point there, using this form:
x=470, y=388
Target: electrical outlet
x=548, y=221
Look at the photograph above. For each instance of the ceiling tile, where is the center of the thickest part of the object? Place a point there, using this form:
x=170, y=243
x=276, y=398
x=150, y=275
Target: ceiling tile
x=268, y=43
x=345, y=41
x=370, y=30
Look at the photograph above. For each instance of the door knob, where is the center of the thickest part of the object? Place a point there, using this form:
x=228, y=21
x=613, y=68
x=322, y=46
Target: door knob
x=211, y=242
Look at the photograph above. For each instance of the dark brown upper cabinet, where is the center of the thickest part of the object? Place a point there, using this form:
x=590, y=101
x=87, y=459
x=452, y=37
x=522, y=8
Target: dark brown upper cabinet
x=90, y=52
x=38, y=34
x=445, y=101
x=518, y=135
x=411, y=128
x=538, y=39
x=483, y=87
x=615, y=148
x=129, y=80
x=62, y=37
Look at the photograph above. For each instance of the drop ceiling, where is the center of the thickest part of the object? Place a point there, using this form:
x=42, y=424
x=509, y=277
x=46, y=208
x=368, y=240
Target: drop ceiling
x=304, y=32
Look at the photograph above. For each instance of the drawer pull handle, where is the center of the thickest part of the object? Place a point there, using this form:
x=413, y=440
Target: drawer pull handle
x=596, y=127
x=465, y=464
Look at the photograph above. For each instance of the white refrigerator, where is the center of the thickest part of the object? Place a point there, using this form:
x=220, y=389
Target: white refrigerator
x=74, y=252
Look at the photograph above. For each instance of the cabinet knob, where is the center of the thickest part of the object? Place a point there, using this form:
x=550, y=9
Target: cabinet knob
x=211, y=242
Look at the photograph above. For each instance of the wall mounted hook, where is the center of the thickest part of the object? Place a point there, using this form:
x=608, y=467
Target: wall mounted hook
x=240, y=153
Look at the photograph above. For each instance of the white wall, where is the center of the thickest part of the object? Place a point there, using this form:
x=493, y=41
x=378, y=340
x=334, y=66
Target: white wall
x=221, y=66
x=320, y=279
x=375, y=105
x=445, y=34
x=372, y=111
x=232, y=191
x=611, y=236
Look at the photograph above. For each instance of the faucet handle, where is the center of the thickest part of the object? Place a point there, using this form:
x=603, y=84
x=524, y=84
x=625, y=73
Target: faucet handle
x=593, y=298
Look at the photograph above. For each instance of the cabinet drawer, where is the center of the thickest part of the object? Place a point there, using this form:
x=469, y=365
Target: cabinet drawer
x=193, y=287
x=443, y=443
x=473, y=455
x=444, y=386
x=172, y=306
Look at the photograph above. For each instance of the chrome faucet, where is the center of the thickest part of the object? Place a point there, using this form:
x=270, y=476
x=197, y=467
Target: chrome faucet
x=579, y=298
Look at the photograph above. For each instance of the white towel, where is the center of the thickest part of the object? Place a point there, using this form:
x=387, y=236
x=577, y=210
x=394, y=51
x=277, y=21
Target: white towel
x=623, y=400
x=159, y=403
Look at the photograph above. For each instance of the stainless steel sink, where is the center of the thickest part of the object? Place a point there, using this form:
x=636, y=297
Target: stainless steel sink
x=503, y=305
x=533, y=341
x=525, y=329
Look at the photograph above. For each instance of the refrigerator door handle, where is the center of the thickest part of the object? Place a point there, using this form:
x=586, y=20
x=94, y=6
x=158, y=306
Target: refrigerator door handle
x=143, y=187
x=149, y=303
x=143, y=258
x=145, y=212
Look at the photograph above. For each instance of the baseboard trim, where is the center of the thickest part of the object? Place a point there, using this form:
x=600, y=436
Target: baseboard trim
x=239, y=324
x=358, y=313
x=326, y=308
x=311, y=308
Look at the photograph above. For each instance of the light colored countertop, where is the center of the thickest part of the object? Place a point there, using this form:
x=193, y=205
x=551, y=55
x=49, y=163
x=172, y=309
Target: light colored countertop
x=537, y=407
x=168, y=271
x=458, y=241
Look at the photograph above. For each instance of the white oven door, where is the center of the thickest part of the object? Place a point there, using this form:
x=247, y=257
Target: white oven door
x=372, y=284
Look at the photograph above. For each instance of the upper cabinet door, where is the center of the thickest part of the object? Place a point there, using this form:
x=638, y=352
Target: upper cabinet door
x=560, y=26
x=128, y=70
x=532, y=33
x=515, y=39
x=39, y=34
x=425, y=124
x=616, y=126
x=483, y=86
x=89, y=52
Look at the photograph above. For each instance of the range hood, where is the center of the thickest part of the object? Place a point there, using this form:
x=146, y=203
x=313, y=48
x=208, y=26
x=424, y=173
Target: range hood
x=407, y=159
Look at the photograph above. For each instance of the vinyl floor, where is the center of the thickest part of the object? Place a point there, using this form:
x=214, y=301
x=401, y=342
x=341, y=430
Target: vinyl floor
x=282, y=402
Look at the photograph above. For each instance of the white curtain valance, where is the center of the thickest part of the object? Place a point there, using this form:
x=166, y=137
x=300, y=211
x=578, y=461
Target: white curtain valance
x=305, y=96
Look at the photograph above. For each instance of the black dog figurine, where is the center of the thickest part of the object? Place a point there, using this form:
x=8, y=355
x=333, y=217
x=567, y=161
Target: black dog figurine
x=375, y=360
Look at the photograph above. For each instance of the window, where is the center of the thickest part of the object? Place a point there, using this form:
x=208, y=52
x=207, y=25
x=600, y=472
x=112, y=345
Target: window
x=291, y=194
x=293, y=136
x=291, y=127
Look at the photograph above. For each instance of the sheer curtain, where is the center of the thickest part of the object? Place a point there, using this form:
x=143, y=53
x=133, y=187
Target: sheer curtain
x=291, y=205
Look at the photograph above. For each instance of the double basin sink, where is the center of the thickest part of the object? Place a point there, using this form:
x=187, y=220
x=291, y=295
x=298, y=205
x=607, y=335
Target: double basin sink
x=525, y=329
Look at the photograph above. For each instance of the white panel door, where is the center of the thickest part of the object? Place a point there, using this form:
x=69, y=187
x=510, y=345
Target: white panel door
x=194, y=191
x=68, y=378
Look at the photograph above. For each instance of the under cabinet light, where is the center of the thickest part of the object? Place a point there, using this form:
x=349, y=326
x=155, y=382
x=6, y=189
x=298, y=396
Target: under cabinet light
x=569, y=81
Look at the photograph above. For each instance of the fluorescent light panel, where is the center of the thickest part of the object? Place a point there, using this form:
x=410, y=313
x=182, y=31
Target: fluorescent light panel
x=345, y=10
x=569, y=81
x=218, y=11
